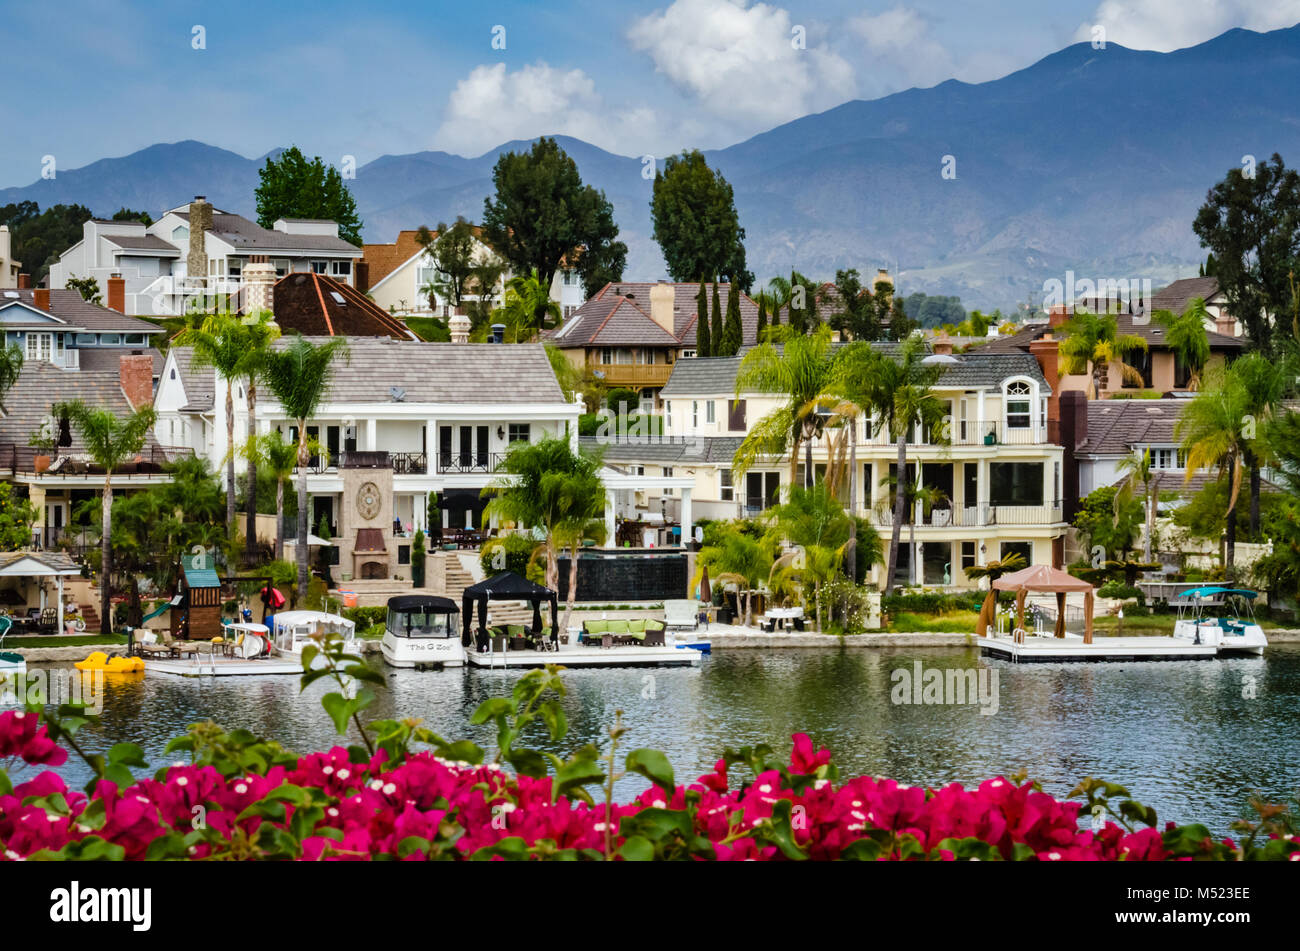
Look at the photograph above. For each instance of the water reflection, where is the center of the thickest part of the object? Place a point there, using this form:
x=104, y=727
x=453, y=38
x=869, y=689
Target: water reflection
x=1185, y=737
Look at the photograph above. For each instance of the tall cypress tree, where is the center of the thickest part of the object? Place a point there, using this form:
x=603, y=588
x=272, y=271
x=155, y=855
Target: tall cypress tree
x=798, y=315
x=703, y=343
x=762, y=318
x=733, y=332
x=715, y=331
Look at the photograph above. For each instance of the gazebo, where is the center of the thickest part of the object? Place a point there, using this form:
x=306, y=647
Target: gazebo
x=506, y=586
x=1039, y=579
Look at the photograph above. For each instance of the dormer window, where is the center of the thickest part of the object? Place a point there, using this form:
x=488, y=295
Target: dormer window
x=1019, y=405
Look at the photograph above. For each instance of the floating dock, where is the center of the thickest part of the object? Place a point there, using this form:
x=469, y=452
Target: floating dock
x=1072, y=648
x=584, y=656
x=222, y=667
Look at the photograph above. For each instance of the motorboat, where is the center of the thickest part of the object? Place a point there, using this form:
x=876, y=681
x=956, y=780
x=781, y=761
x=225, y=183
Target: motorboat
x=10, y=663
x=1220, y=617
x=422, y=631
x=249, y=640
x=292, y=631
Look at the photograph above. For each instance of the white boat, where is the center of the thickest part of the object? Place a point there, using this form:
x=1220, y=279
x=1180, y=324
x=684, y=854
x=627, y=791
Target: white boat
x=10, y=663
x=1220, y=617
x=291, y=631
x=250, y=640
x=422, y=631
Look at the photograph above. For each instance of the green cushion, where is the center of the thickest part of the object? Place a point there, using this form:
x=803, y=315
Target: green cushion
x=617, y=627
x=546, y=633
x=636, y=627
x=654, y=624
x=597, y=627
x=639, y=635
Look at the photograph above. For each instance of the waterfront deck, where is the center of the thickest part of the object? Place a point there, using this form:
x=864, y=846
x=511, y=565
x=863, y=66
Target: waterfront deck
x=1072, y=648
x=222, y=667
x=572, y=655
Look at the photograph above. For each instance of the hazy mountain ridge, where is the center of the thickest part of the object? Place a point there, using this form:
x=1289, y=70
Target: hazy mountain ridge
x=1094, y=160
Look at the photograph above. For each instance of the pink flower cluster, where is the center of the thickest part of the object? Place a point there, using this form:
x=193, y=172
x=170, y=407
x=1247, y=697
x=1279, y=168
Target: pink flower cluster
x=328, y=807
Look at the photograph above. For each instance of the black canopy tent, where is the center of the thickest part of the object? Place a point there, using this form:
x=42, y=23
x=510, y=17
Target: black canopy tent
x=506, y=586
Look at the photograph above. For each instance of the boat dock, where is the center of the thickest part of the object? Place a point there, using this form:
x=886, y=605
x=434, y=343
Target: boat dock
x=1104, y=649
x=584, y=656
x=222, y=667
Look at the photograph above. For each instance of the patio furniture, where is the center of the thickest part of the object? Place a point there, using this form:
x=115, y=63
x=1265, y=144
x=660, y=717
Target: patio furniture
x=653, y=638
x=682, y=613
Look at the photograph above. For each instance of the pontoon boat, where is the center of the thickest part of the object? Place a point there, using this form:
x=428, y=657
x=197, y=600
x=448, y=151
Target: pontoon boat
x=294, y=630
x=1221, y=617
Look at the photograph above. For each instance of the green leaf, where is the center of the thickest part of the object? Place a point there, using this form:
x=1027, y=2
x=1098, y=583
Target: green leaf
x=637, y=848
x=491, y=709
x=654, y=766
x=527, y=763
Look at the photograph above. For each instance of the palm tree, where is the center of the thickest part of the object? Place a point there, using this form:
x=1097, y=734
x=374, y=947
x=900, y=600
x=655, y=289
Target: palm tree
x=11, y=365
x=898, y=392
x=740, y=559
x=220, y=342
x=1185, y=334
x=571, y=537
x=1093, y=343
x=110, y=440
x=528, y=306
x=1213, y=430
x=298, y=376
x=1264, y=382
x=259, y=332
x=817, y=527
x=278, y=456
x=799, y=368
x=1138, y=472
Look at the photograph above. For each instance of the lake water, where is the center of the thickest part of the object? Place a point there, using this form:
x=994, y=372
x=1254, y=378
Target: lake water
x=1193, y=739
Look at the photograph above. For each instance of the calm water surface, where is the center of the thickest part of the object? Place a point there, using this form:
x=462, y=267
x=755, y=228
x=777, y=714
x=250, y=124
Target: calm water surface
x=1180, y=735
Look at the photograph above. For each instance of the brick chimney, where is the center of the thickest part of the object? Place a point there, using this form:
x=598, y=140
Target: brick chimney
x=1057, y=316
x=1047, y=351
x=196, y=262
x=1226, y=325
x=117, y=294
x=662, y=297
x=1073, y=432
x=24, y=282
x=258, y=278
x=41, y=298
x=942, y=345
x=136, y=374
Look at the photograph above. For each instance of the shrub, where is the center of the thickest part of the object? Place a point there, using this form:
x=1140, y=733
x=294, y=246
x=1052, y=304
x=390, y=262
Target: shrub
x=507, y=553
x=1122, y=592
x=622, y=401
x=417, y=560
x=366, y=617
x=932, y=602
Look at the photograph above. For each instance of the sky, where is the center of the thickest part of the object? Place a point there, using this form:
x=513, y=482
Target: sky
x=90, y=79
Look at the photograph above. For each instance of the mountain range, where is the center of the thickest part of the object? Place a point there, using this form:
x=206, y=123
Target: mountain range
x=1091, y=160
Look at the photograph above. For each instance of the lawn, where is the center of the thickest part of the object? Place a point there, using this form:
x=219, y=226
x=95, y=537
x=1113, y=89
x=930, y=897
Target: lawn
x=954, y=622
x=63, y=640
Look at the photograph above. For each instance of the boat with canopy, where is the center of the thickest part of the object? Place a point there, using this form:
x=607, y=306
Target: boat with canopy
x=422, y=631
x=1222, y=617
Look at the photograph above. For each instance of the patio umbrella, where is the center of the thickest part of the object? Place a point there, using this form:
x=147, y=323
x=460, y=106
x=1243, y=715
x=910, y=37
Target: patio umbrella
x=706, y=593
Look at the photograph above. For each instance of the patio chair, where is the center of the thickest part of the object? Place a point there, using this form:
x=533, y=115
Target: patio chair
x=798, y=623
x=682, y=612
x=654, y=637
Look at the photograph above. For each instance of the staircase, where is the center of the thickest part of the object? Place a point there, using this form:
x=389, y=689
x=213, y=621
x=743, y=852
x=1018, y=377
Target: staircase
x=460, y=577
x=90, y=616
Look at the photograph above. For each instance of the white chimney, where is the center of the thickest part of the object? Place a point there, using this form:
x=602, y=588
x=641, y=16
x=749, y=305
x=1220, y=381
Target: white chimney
x=458, y=324
x=258, y=278
x=662, y=298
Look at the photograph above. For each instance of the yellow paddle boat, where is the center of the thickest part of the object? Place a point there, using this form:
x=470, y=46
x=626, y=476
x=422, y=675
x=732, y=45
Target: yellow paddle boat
x=111, y=665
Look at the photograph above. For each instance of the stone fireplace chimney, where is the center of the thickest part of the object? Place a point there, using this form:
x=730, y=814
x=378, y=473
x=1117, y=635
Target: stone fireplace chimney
x=196, y=262
x=258, y=277
x=136, y=374
x=117, y=293
x=458, y=324
x=662, y=297
x=1047, y=351
x=1225, y=324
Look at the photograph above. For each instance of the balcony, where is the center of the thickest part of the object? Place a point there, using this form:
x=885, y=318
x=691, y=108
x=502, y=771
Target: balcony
x=466, y=462
x=976, y=516
x=968, y=433
x=402, y=463
x=633, y=374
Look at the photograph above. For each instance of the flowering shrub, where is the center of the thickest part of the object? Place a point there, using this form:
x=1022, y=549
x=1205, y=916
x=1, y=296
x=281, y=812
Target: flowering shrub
x=240, y=797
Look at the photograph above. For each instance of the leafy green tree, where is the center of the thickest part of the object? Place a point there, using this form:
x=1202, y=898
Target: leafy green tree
x=277, y=457
x=715, y=326
x=1139, y=481
x=813, y=521
x=126, y=214
x=110, y=441
x=622, y=401
x=11, y=367
x=1251, y=226
x=1093, y=344
x=259, y=331
x=453, y=251
x=292, y=187
x=695, y=221
x=39, y=237
x=703, y=336
x=17, y=516
x=760, y=328
x=87, y=287
x=528, y=307
x=298, y=375
x=1185, y=334
x=542, y=214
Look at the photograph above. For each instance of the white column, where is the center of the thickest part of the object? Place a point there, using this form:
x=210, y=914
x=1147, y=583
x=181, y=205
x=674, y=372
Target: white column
x=979, y=417
x=372, y=433
x=610, y=496
x=982, y=489
x=688, y=523
x=58, y=586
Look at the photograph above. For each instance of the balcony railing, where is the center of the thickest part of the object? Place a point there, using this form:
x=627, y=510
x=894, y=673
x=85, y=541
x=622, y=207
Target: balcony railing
x=967, y=433
x=975, y=516
x=634, y=374
x=461, y=462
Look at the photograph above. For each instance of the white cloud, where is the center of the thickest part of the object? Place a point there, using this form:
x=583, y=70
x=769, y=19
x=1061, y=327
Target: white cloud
x=902, y=52
x=1166, y=25
x=741, y=62
x=492, y=105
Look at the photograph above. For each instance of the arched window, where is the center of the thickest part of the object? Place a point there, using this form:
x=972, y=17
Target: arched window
x=1018, y=403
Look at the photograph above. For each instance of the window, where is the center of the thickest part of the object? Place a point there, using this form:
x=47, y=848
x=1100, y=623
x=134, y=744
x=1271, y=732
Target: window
x=133, y=340
x=319, y=267
x=1015, y=483
x=570, y=277
x=606, y=356
x=1018, y=406
x=668, y=473
x=695, y=415
x=234, y=268
x=341, y=268
x=281, y=267
x=967, y=555
x=1024, y=549
x=87, y=340
x=110, y=340
x=736, y=416
x=180, y=235
x=39, y=346
x=708, y=412
x=520, y=432
x=726, y=491
x=687, y=354
x=1168, y=459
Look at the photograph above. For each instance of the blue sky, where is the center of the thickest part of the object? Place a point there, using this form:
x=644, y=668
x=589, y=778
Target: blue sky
x=95, y=79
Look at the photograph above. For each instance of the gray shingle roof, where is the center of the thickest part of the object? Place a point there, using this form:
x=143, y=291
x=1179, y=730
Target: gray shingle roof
x=666, y=451
x=1116, y=426
x=246, y=235
x=979, y=370
x=144, y=242
x=702, y=376
x=78, y=314
x=684, y=306
x=442, y=372
x=1180, y=293
x=109, y=358
x=200, y=382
